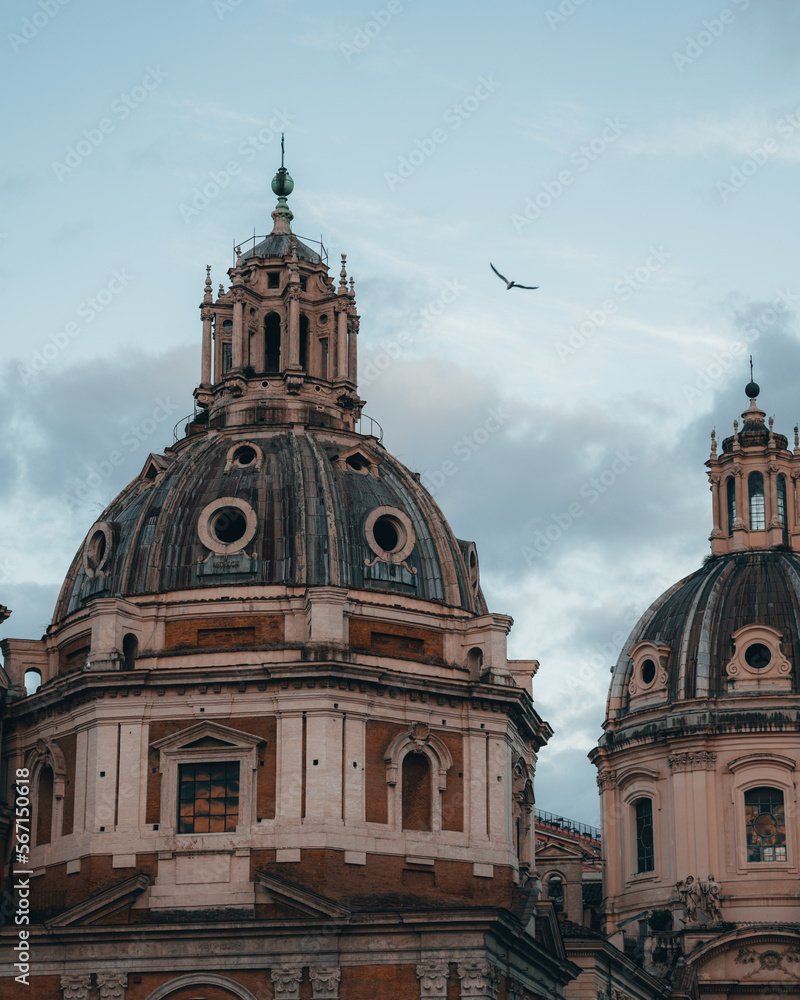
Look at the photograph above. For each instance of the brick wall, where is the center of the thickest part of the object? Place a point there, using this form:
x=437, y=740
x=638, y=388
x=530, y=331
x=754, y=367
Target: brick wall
x=381, y=882
x=219, y=631
x=404, y=642
x=72, y=654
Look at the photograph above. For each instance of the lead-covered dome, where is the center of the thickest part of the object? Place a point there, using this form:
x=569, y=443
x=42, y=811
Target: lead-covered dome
x=730, y=626
x=273, y=505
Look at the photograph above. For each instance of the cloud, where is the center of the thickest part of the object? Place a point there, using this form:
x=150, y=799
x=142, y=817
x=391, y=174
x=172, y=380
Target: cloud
x=735, y=137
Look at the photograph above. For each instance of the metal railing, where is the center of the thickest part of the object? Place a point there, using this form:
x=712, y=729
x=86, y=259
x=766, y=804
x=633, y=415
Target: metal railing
x=252, y=241
x=366, y=425
x=568, y=825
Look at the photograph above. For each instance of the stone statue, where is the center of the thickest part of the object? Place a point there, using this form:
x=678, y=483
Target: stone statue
x=690, y=896
x=713, y=904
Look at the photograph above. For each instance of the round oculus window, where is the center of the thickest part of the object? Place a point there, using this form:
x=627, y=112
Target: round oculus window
x=245, y=455
x=758, y=655
x=227, y=525
x=648, y=672
x=390, y=534
x=96, y=550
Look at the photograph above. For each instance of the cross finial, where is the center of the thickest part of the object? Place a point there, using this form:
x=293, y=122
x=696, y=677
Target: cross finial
x=282, y=135
x=751, y=367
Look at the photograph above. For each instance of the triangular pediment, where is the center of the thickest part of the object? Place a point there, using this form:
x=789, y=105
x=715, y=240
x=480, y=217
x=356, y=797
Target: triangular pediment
x=558, y=852
x=153, y=467
x=103, y=905
x=208, y=734
x=304, y=902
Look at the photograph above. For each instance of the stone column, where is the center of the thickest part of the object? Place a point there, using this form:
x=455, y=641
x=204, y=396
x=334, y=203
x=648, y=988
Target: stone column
x=206, y=315
x=286, y=982
x=112, y=986
x=293, y=326
x=237, y=360
x=325, y=982
x=352, y=350
x=479, y=980
x=433, y=979
x=75, y=987
x=341, y=342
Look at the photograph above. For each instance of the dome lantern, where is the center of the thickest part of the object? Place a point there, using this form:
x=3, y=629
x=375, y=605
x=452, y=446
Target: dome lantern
x=752, y=484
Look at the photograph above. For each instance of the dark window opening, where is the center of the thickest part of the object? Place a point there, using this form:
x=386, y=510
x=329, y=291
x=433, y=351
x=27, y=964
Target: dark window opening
x=229, y=525
x=245, y=455
x=731, y=491
x=323, y=351
x=758, y=655
x=303, y=283
x=755, y=488
x=227, y=358
x=304, y=342
x=208, y=797
x=272, y=343
x=766, y=824
x=273, y=279
x=781, y=486
x=130, y=650
x=416, y=792
x=386, y=534
x=648, y=671
x=645, y=854
x=44, y=816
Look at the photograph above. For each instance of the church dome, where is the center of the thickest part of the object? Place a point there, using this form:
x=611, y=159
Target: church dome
x=268, y=506
x=731, y=630
x=692, y=634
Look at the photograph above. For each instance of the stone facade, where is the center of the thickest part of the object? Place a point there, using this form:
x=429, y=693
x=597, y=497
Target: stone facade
x=278, y=749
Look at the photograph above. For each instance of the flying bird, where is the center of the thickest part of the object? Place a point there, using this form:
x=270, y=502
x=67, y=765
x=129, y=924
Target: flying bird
x=510, y=284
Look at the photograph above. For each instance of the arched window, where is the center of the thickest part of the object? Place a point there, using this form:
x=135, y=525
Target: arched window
x=44, y=806
x=765, y=824
x=130, y=650
x=323, y=356
x=33, y=681
x=730, y=488
x=645, y=853
x=781, y=485
x=416, y=792
x=555, y=892
x=272, y=343
x=755, y=489
x=304, y=342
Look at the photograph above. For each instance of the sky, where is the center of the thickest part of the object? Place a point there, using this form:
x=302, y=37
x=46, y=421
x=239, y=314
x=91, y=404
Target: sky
x=637, y=162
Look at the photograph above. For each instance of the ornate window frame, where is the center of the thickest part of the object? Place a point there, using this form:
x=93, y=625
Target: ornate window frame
x=205, y=530
x=231, y=744
x=765, y=770
x=649, y=676
x=777, y=674
x=418, y=739
x=639, y=782
x=46, y=753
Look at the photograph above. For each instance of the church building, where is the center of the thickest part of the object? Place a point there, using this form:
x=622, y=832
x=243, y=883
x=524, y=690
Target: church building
x=272, y=747
x=272, y=740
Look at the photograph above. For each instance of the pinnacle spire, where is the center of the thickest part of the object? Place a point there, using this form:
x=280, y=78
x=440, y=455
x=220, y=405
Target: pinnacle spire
x=282, y=185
